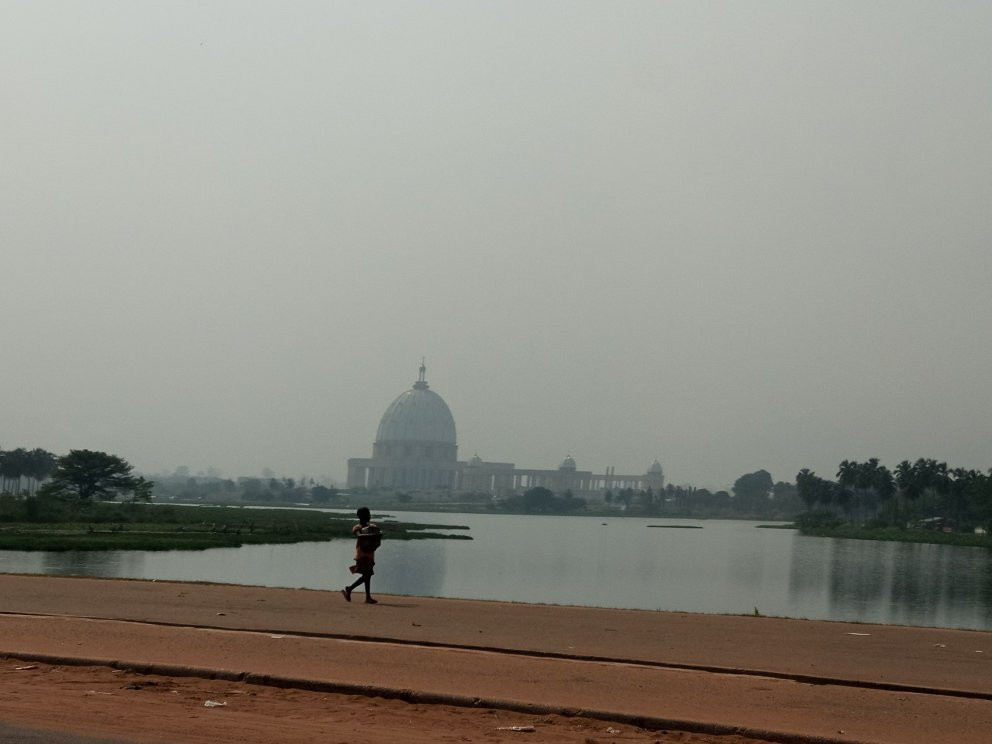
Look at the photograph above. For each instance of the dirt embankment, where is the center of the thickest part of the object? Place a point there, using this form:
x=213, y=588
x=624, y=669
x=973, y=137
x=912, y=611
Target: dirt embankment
x=133, y=661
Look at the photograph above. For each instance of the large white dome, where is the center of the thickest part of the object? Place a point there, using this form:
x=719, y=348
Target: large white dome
x=418, y=415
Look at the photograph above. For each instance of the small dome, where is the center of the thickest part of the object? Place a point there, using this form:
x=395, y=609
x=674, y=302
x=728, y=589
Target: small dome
x=476, y=461
x=567, y=464
x=656, y=468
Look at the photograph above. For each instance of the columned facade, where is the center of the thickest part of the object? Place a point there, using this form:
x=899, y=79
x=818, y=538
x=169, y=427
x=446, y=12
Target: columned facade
x=415, y=449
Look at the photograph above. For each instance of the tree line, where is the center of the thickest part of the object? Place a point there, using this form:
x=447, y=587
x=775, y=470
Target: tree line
x=921, y=493
x=753, y=495
x=81, y=475
x=23, y=470
x=925, y=493
x=182, y=487
x=87, y=475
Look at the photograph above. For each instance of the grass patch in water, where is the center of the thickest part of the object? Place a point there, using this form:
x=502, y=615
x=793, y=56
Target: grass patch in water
x=110, y=526
x=894, y=534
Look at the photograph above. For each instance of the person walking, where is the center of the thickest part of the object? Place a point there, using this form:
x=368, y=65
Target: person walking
x=368, y=537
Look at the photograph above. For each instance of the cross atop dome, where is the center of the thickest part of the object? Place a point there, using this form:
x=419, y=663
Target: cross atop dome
x=421, y=383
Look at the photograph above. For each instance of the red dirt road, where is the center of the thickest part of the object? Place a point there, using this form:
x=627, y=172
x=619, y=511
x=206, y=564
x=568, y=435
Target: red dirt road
x=304, y=665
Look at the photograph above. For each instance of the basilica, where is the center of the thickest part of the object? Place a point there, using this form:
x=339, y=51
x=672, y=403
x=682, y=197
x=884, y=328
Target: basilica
x=415, y=449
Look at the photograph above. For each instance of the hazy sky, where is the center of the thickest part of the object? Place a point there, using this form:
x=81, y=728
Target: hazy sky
x=727, y=235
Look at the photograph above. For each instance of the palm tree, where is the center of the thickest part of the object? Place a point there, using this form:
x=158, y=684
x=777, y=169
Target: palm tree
x=41, y=465
x=15, y=466
x=867, y=477
x=907, y=482
x=980, y=497
x=857, y=479
x=884, y=485
x=847, y=478
x=959, y=484
x=932, y=478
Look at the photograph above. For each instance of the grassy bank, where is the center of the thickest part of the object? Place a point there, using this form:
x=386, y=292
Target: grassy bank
x=893, y=534
x=109, y=526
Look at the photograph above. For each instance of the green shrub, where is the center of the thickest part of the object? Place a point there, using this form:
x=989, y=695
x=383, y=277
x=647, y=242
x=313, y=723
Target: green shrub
x=817, y=520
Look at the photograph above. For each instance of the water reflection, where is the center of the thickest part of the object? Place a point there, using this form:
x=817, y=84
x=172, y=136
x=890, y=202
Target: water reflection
x=895, y=583
x=96, y=563
x=414, y=567
x=109, y=564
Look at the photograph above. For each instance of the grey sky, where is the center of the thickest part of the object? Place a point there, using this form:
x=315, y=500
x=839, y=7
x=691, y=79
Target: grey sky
x=731, y=236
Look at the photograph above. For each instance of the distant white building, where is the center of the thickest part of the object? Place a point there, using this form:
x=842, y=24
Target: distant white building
x=416, y=448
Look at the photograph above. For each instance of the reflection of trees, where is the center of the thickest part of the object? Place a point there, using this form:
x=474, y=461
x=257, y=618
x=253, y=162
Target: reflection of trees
x=942, y=583
x=858, y=574
x=886, y=582
x=809, y=569
x=945, y=583
x=927, y=584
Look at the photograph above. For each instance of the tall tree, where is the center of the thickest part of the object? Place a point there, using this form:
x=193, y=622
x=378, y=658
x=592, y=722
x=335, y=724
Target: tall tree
x=864, y=485
x=959, y=485
x=785, y=499
x=980, y=499
x=41, y=465
x=848, y=474
x=885, y=486
x=932, y=482
x=751, y=491
x=908, y=484
x=86, y=475
x=807, y=484
x=14, y=466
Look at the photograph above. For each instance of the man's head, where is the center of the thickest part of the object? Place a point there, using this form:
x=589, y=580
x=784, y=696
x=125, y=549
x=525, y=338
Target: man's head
x=364, y=515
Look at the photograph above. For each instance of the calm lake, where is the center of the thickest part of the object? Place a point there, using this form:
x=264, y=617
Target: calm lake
x=722, y=567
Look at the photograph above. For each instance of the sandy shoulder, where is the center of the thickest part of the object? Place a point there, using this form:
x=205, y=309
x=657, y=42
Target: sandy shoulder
x=150, y=709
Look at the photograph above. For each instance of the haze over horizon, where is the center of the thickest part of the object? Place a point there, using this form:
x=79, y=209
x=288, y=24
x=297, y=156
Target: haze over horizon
x=729, y=236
